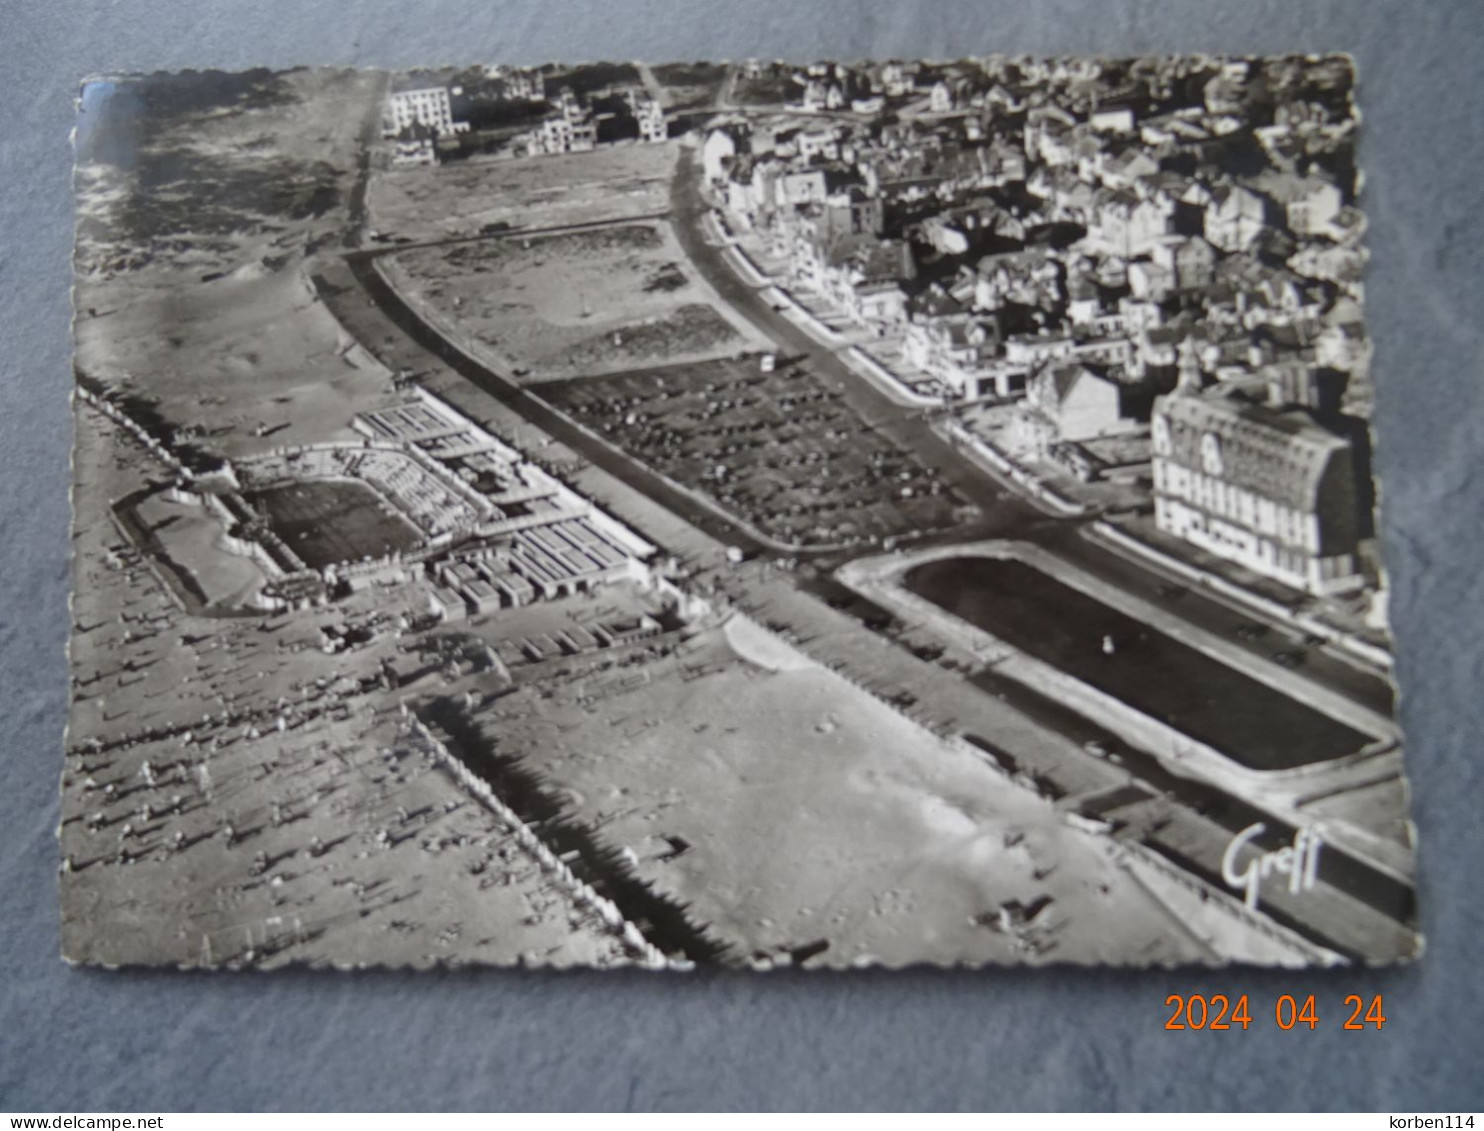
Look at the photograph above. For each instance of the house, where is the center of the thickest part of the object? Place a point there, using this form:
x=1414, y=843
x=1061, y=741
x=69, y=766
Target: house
x=1048, y=135
x=1125, y=169
x=822, y=144
x=1112, y=120
x=865, y=275
x=1310, y=205
x=1343, y=266
x=1191, y=263
x=649, y=115
x=1138, y=313
x=1069, y=404
x=752, y=187
x=1234, y=218
x=853, y=210
x=1000, y=100
x=717, y=153
x=562, y=132
x=515, y=83
x=1157, y=348
x=1171, y=129
x=415, y=144
x=821, y=94
x=1267, y=488
x=1342, y=344
x=1225, y=93
x=1150, y=279
x=1123, y=224
x=1085, y=301
x=802, y=186
x=1032, y=350
x=899, y=79
x=1298, y=384
x=1030, y=278
x=1279, y=298
x=962, y=352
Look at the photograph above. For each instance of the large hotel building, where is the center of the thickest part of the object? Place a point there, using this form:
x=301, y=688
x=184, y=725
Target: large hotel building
x=1270, y=489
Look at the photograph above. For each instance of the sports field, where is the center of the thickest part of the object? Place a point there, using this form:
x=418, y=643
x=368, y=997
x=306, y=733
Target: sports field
x=334, y=520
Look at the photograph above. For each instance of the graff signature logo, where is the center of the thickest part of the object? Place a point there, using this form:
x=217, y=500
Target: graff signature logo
x=1298, y=861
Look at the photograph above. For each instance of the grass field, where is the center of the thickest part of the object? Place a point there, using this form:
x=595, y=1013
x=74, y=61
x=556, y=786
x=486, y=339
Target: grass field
x=574, y=304
x=616, y=182
x=780, y=450
x=690, y=86
x=334, y=520
x=773, y=88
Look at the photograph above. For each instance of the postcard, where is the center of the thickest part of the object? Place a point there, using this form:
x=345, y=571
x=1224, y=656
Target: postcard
x=770, y=514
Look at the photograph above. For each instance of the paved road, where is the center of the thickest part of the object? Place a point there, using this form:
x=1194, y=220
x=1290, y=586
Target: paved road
x=370, y=128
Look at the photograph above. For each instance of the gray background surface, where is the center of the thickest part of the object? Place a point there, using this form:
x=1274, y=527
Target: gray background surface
x=79, y=1040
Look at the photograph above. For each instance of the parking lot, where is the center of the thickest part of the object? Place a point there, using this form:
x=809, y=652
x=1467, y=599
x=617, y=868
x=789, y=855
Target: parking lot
x=777, y=447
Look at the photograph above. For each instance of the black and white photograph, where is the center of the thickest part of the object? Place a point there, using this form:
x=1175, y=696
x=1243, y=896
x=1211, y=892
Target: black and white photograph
x=778, y=515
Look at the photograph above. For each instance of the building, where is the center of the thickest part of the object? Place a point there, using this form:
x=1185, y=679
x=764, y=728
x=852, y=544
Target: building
x=1234, y=218
x=1070, y=404
x=717, y=153
x=820, y=94
x=426, y=105
x=1310, y=204
x=1269, y=489
x=802, y=186
x=816, y=144
x=865, y=275
x=416, y=144
x=899, y=79
x=1030, y=278
x=1123, y=224
x=649, y=115
x=1047, y=135
x=853, y=211
x=515, y=83
x=1113, y=120
x=563, y=133
x=1191, y=262
x=963, y=354
x=1121, y=170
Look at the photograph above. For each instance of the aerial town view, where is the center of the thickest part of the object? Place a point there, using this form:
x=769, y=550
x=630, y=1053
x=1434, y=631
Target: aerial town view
x=768, y=514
